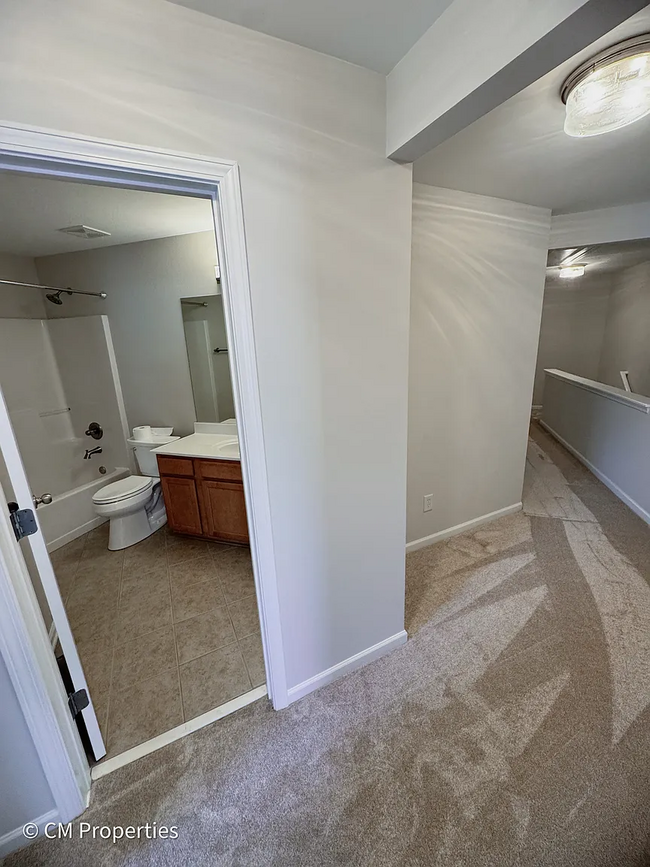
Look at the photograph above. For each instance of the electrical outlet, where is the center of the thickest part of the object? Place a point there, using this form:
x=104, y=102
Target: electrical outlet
x=428, y=503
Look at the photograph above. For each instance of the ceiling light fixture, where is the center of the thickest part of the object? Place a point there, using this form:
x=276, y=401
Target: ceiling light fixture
x=572, y=271
x=86, y=232
x=610, y=90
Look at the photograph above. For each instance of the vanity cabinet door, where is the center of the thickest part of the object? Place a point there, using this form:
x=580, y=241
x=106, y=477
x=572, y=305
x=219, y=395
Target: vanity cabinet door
x=224, y=510
x=182, y=505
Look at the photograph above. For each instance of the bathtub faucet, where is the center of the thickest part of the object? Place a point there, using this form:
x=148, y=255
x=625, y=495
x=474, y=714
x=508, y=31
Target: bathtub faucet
x=89, y=452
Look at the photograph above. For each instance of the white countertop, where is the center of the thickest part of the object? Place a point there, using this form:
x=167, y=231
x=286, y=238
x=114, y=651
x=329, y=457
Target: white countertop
x=222, y=447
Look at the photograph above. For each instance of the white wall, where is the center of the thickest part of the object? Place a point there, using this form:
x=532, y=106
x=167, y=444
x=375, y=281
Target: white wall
x=626, y=341
x=17, y=302
x=464, y=53
x=573, y=327
x=24, y=792
x=477, y=285
x=82, y=348
x=64, y=364
x=144, y=283
x=31, y=396
x=214, y=316
x=624, y=223
x=328, y=234
x=597, y=326
x=611, y=435
x=66, y=381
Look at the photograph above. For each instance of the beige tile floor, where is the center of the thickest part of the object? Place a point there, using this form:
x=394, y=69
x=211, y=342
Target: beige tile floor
x=166, y=630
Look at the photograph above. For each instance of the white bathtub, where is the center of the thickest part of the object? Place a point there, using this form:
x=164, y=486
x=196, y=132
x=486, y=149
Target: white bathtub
x=71, y=514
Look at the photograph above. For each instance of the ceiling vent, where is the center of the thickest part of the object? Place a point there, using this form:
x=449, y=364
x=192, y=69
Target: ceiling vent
x=86, y=232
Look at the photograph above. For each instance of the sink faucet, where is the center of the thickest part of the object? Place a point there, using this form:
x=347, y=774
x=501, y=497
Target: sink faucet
x=89, y=452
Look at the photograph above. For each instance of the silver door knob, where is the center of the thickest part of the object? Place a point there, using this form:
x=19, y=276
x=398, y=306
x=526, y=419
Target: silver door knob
x=43, y=500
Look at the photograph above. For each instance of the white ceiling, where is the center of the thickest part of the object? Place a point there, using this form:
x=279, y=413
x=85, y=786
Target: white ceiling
x=371, y=33
x=520, y=152
x=33, y=208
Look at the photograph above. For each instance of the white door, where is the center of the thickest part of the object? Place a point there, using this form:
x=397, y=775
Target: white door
x=38, y=559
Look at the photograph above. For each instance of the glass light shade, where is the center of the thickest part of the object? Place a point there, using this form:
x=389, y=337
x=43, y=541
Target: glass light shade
x=571, y=271
x=610, y=97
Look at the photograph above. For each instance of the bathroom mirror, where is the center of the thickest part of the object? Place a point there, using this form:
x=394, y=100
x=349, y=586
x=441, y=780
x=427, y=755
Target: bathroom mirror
x=207, y=355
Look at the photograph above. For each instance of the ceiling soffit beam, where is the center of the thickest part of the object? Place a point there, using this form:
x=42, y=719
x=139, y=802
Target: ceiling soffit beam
x=622, y=223
x=418, y=119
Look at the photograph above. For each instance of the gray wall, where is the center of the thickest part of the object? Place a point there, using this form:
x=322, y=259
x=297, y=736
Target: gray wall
x=626, y=343
x=597, y=326
x=24, y=792
x=214, y=315
x=477, y=283
x=144, y=283
x=328, y=233
x=572, y=330
x=17, y=302
x=612, y=437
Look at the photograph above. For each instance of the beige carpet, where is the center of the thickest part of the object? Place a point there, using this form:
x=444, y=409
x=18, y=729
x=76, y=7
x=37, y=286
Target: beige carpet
x=512, y=729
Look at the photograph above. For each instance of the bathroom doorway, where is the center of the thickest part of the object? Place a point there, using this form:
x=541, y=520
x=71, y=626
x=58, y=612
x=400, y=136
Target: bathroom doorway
x=205, y=617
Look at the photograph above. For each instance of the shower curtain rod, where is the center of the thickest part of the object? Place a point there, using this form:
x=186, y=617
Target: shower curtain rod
x=53, y=288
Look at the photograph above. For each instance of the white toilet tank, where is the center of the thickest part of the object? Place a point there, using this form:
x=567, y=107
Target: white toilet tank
x=147, y=462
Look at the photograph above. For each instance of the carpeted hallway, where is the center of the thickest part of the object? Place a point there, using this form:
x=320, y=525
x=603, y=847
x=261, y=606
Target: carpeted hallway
x=512, y=729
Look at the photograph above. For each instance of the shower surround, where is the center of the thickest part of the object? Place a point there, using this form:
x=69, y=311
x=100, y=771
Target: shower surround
x=57, y=376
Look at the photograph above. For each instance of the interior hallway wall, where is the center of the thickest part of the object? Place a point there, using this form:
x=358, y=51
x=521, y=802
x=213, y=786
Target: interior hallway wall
x=626, y=342
x=24, y=792
x=573, y=328
x=328, y=222
x=144, y=283
x=17, y=302
x=477, y=284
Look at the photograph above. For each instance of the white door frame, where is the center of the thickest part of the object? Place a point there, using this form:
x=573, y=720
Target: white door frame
x=62, y=155
x=23, y=493
x=27, y=652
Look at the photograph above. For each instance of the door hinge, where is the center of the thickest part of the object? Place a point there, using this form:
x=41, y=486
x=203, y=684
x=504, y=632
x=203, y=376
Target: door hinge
x=78, y=701
x=22, y=520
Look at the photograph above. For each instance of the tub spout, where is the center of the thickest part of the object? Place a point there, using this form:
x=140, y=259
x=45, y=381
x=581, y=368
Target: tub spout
x=90, y=452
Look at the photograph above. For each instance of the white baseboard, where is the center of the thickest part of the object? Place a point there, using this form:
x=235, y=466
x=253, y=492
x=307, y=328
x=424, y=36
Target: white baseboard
x=74, y=534
x=15, y=839
x=348, y=665
x=462, y=528
x=614, y=488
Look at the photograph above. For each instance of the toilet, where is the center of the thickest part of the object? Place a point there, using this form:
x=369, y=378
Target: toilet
x=135, y=505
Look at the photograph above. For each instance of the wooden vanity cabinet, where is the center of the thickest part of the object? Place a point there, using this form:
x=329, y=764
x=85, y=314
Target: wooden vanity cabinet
x=204, y=498
x=182, y=505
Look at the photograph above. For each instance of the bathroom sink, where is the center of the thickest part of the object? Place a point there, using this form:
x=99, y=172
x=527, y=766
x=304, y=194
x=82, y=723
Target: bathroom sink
x=228, y=450
x=203, y=445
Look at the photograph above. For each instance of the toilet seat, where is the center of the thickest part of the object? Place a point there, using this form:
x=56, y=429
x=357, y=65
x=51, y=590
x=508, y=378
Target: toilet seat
x=123, y=489
x=134, y=506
